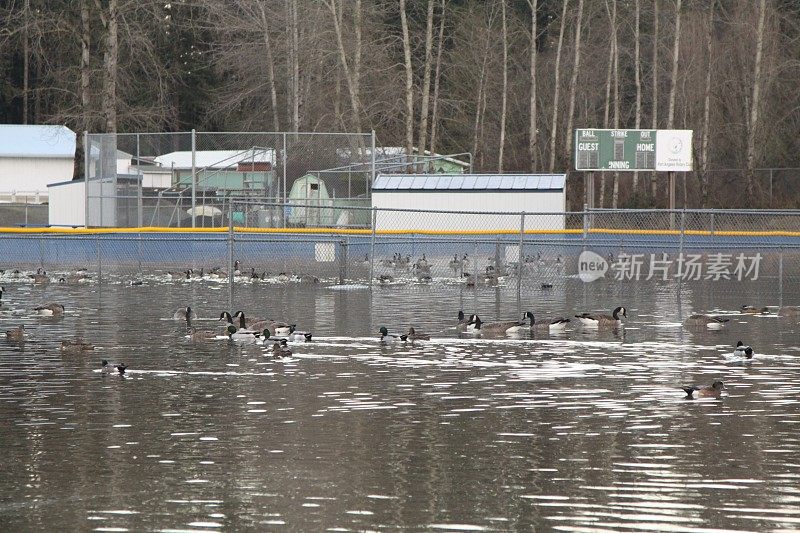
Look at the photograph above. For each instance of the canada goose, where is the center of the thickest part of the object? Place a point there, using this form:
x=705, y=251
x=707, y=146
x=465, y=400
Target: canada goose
x=236, y=271
x=40, y=276
x=176, y=275
x=469, y=279
x=109, y=368
x=554, y=324
x=385, y=279
x=75, y=346
x=278, y=327
x=495, y=328
x=50, y=309
x=226, y=316
x=743, y=351
x=282, y=277
x=2, y=290
x=462, y=322
x=308, y=278
x=750, y=310
x=713, y=390
x=455, y=265
x=711, y=322
x=595, y=320
x=412, y=336
x=184, y=313
x=16, y=334
x=280, y=349
x=386, y=337
x=792, y=311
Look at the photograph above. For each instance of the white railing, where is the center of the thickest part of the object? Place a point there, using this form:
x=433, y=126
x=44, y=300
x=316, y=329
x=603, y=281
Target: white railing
x=24, y=197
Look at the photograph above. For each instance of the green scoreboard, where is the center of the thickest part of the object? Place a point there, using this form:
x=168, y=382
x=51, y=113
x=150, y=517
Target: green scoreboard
x=621, y=150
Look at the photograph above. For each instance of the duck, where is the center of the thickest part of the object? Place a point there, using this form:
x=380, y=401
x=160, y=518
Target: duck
x=792, y=311
x=109, y=368
x=385, y=279
x=714, y=390
x=2, y=290
x=75, y=346
x=386, y=336
x=16, y=334
x=50, y=309
x=593, y=320
x=245, y=335
x=750, y=310
x=184, y=313
x=743, y=351
x=282, y=277
x=200, y=335
x=412, y=336
x=711, y=322
x=280, y=350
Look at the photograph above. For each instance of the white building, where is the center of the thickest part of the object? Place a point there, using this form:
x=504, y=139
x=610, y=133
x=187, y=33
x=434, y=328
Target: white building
x=492, y=194
x=33, y=157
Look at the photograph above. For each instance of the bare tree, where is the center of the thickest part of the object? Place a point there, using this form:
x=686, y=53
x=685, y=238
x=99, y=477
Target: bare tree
x=273, y=91
x=409, y=80
x=707, y=109
x=110, y=63
x=653, y=180
x=426, y=80
x=576, y=67
x=557, y=86
x=351, y=76
x=532, y=126
x=637, y=76
x=437, y=77
x=676, y=49
x=504, y=96
x=755, y=102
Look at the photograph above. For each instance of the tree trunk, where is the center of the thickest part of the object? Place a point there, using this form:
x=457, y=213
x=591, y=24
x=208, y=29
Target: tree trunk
x=532, y=137
x=615, y=46
x=557, y=85
x=350, y=79
x=293, y=65
x=755, y=102
x=26, y=53
x=476, y=135
x=86, y=30
x=426, y=81
x=609, y=95
x=110, y=60
x=653, y=180
x=638, y=81
x=409, y=81
x=504, y=99
x=273, y=93
x=436, y=78
x=676, y=50
x=707, y=111
x=576, y=67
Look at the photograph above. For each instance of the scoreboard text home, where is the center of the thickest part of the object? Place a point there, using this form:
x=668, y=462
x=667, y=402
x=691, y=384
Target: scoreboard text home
x=621, y=150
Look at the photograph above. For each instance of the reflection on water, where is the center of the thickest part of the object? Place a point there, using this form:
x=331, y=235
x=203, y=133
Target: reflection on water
x=582, y=431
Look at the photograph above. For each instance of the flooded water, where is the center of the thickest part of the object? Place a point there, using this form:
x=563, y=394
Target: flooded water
x=583, y=431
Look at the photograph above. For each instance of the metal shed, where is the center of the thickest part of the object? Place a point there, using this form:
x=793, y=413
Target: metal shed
x=494, y=194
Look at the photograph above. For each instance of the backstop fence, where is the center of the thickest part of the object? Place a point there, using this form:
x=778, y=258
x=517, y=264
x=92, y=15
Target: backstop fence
x=747, y=254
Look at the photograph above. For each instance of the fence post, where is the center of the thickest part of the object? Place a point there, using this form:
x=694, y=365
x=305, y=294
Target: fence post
x=99, y=258
x=85, y=179
x=713, y=222
x=194, y=175
x=372, y=247
x=520, y=262
x=780, y=277
x=230, y=257
x=342, y=261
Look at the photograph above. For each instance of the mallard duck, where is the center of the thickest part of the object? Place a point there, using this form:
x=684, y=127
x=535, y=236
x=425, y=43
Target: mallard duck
x=743, y=351
x=184, y=313
x=110, y=369
x=245, y=335
x=386, y=337
x=791, y=311
x=75, y=346
x=711, y=322
x=750, y=310
x=16, y=334
x=713, y=390
x=412, y=336
x=200, y=335
x=50, y=309
x=280, y=349
x=596, y=320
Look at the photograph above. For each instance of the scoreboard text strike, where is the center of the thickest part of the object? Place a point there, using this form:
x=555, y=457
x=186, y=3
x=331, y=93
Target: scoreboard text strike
x=621, y=150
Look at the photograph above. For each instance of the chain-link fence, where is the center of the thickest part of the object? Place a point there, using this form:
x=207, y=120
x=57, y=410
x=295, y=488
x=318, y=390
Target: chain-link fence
x=741, y=254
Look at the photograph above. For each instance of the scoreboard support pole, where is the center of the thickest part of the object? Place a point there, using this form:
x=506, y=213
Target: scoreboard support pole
x=588, y=187
x=671, y=178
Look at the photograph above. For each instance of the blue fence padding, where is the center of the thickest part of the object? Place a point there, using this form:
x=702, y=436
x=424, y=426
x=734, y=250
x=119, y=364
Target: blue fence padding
x=212, y=248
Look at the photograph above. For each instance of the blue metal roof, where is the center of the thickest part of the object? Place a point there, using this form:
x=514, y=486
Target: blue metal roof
x=469, y=182
x=18, y=140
